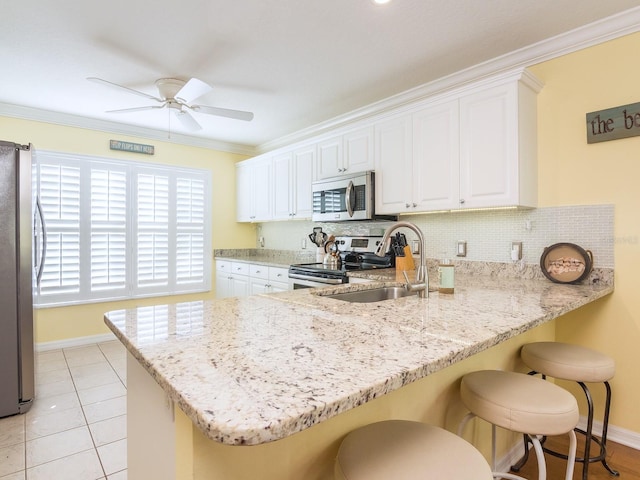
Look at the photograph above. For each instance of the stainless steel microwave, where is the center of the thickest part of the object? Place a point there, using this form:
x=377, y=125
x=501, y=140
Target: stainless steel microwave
x=350, y=197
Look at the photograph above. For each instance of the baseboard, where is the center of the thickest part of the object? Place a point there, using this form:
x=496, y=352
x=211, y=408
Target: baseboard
x=615, y=434
x=74, y=342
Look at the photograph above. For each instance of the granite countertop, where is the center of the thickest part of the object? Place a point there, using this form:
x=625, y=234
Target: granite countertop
x=257, y=369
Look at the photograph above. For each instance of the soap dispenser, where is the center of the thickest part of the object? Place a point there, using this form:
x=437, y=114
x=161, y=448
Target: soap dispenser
x=446, y=276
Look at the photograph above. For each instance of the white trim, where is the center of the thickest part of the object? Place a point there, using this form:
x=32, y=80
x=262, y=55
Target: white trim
x=589, y=35
x=615, y=434
x=74, y=342
x=609, y=28
x=70, y=120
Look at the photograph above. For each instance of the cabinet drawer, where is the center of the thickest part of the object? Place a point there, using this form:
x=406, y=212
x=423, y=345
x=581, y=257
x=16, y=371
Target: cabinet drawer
x=278, y=274
x=258, y=271
x=240, y=268
x=223, y=266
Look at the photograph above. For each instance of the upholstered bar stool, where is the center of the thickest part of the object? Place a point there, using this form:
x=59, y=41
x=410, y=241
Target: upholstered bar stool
x=582, y=365
x=406, y=450
x=524, y=404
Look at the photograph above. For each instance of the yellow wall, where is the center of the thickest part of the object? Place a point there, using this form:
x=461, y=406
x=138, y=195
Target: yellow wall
x=63, y=323
x=310, y=454
x=573, y=172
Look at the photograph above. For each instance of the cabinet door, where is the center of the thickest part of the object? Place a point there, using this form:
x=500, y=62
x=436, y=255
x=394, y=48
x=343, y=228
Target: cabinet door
x=278, y=287
x=223, y=288
x=262, y=190
x=393, y=153
x=330, y=157
x=239, y=285
x=244, y=195
x=358, y=150
x=488, y=147
x=304, y=164
x=282, y=185
x=436, y=157
x=258, y=286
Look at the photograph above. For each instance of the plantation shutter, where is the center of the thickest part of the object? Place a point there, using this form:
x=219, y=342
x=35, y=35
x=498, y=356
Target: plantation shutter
x=122, y=229
x=190, y=246
x=108, y=229
x=152, y=230
x=60, y=200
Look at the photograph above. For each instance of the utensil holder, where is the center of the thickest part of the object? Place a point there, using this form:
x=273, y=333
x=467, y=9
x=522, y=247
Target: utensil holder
x=406, y=262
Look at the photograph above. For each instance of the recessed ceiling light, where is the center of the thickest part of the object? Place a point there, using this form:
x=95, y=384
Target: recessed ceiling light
x=380, y=2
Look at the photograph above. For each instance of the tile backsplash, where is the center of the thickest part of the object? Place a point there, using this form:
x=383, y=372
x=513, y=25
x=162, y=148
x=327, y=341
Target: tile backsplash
x=488, y=233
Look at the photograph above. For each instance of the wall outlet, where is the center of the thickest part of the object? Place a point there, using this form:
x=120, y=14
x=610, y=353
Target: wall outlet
x=461, y=248
x=415, y=246
x=304, y=243
x=516, y=251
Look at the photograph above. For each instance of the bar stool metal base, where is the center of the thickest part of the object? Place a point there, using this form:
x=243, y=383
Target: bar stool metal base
x=589, y=438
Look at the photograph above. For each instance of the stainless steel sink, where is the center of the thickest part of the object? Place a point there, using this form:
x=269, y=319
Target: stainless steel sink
x=372, y=295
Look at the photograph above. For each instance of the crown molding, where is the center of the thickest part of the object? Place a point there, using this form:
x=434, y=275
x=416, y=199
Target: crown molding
x=610, y=28
x=595, y=33
x=70, y=120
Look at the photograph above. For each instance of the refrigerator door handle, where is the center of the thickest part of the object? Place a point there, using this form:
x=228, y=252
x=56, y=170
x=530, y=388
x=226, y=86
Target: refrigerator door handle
x=40, y=258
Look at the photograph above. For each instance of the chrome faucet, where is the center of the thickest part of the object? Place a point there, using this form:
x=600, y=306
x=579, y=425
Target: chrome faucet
x=422, y=278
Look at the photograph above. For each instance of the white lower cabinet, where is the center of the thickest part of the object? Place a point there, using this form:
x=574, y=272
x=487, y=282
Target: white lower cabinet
x=265, y=279
x=240, y=279
x=232, y=279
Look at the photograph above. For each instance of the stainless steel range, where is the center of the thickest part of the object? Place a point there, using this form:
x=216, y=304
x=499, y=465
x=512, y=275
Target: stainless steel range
x=356, y=253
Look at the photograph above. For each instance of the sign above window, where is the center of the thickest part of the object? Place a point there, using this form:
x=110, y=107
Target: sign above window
x=131, y=147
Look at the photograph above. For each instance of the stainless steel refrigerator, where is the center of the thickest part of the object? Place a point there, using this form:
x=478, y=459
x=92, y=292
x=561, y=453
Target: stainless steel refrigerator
x=17, y=278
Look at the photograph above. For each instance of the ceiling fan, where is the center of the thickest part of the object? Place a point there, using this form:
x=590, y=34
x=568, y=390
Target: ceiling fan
x=177, y=95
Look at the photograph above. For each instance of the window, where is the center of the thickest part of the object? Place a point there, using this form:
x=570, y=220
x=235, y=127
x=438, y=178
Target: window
x=120, y=230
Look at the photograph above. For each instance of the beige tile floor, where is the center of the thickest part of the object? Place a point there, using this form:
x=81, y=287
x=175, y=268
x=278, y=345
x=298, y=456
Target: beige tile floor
x=76, y=428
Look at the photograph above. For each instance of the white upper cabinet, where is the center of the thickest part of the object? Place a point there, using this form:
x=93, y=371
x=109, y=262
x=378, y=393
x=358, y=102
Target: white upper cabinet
x=472, y=146
x=498, y=147
x=417, y=161
x=358, y=150
x=292, y=179
x=330, y=162
x=253, y=190
x=351, y=152
x=393, y=158
x=436, y=147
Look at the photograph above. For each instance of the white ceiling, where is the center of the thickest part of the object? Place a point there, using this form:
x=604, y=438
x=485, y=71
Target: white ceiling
x=294, y=63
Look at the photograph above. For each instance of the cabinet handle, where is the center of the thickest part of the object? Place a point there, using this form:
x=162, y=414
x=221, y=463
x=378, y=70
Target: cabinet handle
x=414, y=205
x=461, y=200
x=406, y=205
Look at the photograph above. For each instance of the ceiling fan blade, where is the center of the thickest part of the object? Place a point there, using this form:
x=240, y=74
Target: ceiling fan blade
x=193, y=89
x=224, y=112
x=135, y=109
x=122, y=87
x=188, y=121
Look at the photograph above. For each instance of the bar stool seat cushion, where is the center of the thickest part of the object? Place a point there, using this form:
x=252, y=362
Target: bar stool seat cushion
x=568, y=362
x=519, y=402
x=406, y=450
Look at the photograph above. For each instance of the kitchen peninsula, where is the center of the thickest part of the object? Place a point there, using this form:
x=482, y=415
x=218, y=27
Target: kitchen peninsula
x=266, y=386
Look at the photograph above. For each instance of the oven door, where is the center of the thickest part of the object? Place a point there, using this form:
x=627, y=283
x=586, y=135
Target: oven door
x=298, y=284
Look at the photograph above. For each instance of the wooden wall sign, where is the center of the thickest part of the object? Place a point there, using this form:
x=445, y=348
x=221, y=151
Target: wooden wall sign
x=613, y=123
x=131, y=147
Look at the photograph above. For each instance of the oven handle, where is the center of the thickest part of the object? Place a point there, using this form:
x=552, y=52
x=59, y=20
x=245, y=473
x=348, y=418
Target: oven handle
x=348, y=197
x=315, y=280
